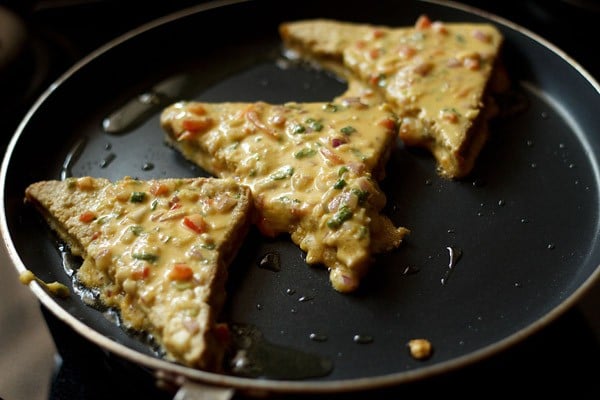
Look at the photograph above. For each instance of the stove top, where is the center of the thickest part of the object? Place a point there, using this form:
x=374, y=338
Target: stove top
x=54, y=34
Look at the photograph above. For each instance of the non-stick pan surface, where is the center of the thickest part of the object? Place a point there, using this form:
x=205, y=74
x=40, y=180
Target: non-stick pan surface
x=526, y=221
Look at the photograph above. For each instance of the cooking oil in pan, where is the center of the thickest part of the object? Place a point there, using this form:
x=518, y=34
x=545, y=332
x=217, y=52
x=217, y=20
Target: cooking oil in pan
x=251, y=355
x=363, y=339
x=256, y=357
x=455, y=254
x=318, y=337
x=91, y=298
x=270, y=261
x=105, y=162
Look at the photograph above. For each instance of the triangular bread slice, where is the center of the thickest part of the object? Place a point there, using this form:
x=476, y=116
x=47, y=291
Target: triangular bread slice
x=156, y=250
x=437, y=76
x=312, y=168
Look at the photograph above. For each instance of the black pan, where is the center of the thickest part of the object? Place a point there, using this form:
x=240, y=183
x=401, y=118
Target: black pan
x=526, y=221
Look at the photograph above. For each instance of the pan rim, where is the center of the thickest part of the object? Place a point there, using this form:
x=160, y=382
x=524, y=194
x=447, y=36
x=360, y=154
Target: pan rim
x=302, y=386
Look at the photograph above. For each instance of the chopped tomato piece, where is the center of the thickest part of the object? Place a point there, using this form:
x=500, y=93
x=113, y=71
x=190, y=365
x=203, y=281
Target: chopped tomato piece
x=174, y=203
x=181, y=272
x=331, y=156
x=159, y=189
x=192, y=127
x=423, y=22
x=439, y=27
x=378, y=33
x=87, y=216
x=472, y=63
x=196, y=124
x=195, y=222
x=253, y=117
x=481, y=35
x=374, y=53
x=450, y=116
x=140, y=273
x=373, y=80
x=406, y=51
x=197, y=109
x=388, y=123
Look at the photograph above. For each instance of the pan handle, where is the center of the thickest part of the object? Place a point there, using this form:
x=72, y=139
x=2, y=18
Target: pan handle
x=191, y=390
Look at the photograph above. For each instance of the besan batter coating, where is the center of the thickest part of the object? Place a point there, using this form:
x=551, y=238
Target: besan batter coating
x=157, y=251
x=438, y=77
x=312, y=168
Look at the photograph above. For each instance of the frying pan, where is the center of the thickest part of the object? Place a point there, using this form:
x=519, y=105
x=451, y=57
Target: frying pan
x=525, y=222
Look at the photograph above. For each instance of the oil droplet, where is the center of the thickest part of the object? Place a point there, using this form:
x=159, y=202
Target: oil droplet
x=363, y=339
x=318, y=337
x=253, y=356
x=518, y=285
x=71, y=264
x=113, y=316
x=533, y=165
x=561, y=146
x=529, y=142
x=551, y=246
x=409, y=270
x=241, y=362
x=455, y=254
x=450, y=230
x=149, y=98
x=544, y=115
x=271, y=262
x=107, y=160
x=524, y=221
x=259, y=306
x=479, y=213
x=428, y=182
x=290, y=291
x=501, y=203
x=286, y=63
x=293, y=311
x=148, y=166
x=572, y=165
